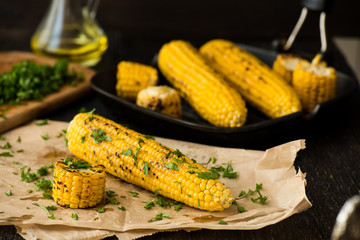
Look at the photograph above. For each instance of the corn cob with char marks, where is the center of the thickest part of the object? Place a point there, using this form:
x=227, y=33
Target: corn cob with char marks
x=314, y=82
x=257, y=83
x=285, y=64
x=204, y=89
x=132, y=77
x=78, y=187
x=162, y=99
x=145, y=162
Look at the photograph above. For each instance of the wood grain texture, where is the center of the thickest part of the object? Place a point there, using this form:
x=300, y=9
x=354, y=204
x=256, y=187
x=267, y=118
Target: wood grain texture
x=19, y=114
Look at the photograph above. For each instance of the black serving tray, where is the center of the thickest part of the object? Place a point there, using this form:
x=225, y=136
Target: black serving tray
x=193, y=128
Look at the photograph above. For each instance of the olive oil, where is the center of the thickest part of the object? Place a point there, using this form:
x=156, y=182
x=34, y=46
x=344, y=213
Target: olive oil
x=69, y=30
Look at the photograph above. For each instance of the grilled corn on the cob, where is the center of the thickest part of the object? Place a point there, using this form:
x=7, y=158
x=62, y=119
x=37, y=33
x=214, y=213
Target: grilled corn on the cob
x=145, y=162
x=133, y=77
x=204, y=89
x=257, y=83
x=162, y=99
x=314, y=82
x=76, y=187
x=285, y=64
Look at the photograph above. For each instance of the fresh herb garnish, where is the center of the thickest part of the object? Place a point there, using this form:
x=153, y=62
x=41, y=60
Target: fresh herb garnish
x=159, y=216
x=45, y=137
x=76, y=164
x=8, y=193
x=99, y=135
x=121, y=208
x=208, y=175
x=149, y=204
x=261, y=199
x=110, y=198
x=101, y=210
x=223, y=222
x=241, y=209
x=47, y=209
x=179, y=160
x=20, y=150
x=15, y=162
x=74, y=216
x=177, y=207
x=146, y=168
x=134, y=194
x=43, y=185
x=6, y=146
x=47, y=195
x=149, y=137
x=42, y=122
x=97, y=218
x=6, y=154
x=140, y=141
x=82, y=139
x=172, y=165
x=19, y=139
x=178, y=153
x=27, y=176
x=135, y=156
x=127, y=152
x=29, y=191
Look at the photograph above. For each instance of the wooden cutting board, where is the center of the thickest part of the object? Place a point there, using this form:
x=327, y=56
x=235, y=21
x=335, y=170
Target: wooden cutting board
x=19, y=114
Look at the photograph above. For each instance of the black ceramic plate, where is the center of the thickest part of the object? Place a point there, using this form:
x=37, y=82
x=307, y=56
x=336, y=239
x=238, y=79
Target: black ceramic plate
x=192, y=127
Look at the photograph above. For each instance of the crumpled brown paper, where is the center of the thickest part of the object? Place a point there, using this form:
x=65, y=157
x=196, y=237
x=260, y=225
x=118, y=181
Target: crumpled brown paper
x=284, y=187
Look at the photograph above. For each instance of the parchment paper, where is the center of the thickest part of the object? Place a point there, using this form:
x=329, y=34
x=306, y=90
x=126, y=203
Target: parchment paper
x=273, y=168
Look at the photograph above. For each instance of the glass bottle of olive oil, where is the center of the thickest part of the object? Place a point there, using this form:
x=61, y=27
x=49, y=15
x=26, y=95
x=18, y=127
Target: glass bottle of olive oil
x=69, y=30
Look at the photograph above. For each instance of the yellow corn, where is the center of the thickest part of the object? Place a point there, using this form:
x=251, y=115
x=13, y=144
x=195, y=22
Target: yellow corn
x=314, y=82
x=258, y=84
x=285, y=64
x=161, y=99
x=78, y=188
x=145, y=162
x=133, y=77
x=204, y=89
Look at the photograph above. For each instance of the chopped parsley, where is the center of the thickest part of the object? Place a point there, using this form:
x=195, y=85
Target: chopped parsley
x=15, y=162
x=43, y=185
x=74, y=216
x=185, y=215
x=82, y=139
x=178, y=207
x=178, y=153
x=179, y=160
x=6, y=154
x=150, y=204
x=110, y=198
x=172, y=165
x=223, y=222
x=241, y=209
x=127, y=152
x=19, y=139
x=27, y=176
x=20, y=150
x=260, y=199
x=42, y=122
x=134, y=194
x=149, y=137
x=135, y=156
x=8, y=193
x=47, y=195
x=146, y=168
x=97, y=218
x=47, y=209
x=101, y=210
x=76, y=164
x=99, y=135
x=29, y=191
x=6, y=146
x=208, y=175
x=159, y=216
x=45, y=137
x=121, y=208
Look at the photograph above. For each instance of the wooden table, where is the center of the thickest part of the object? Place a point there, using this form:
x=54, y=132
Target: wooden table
x=331, y=158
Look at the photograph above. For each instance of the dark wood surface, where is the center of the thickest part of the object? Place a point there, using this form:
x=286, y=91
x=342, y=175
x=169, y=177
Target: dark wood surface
x=331, y=158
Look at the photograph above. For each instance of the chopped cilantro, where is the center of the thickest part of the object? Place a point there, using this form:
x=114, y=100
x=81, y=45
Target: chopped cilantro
x=15, y=162
x=185, y=215
x=261, y=199
x=177, y=207
x=6, y=146
x=47, y=195
x=43, y=185
x=42, y=122
x=140, y=141
x=135, y=156
x=82, y=140
x=18, y=139
x=99, y=135
x=179, y=160
x=208, y=175
x=27, y=176
x=20, y=150
x=178, y=153
x=29, y=191
x=8, y=193
x=97, y=218
x=223, y=222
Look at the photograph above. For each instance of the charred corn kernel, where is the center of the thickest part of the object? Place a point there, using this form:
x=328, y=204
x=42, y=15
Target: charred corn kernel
x=258, y=84
x=165, y=173
x=285, y=64
x=73, y=186
x=314, y=82
x=204, y=89
x=133, y=77
x=162, y=99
